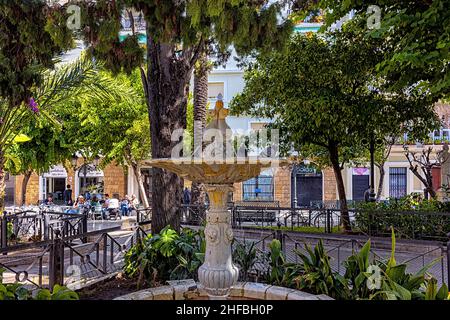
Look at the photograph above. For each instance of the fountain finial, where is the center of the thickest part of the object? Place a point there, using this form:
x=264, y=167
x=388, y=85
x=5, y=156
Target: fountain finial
x=219, y=113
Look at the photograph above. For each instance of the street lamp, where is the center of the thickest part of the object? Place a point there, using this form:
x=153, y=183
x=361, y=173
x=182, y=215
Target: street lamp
x=95, y=164
x=372, y=143
x=74, y=160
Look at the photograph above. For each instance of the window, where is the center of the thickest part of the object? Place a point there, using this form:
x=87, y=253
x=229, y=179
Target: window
x=214, y=88
x=397, y=182
x=258, y=189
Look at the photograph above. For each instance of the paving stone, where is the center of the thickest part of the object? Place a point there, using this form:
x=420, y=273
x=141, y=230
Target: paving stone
x=255, y=290
x=181, y=288
x=299, y=295
x=324, y=297
x=163, y=293
x=237, y=290
x=277, y=293
x=201, y=290
x=139, y=295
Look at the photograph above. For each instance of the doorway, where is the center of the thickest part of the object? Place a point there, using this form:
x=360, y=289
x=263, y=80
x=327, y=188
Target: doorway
x=55, y=187
x=307, y=182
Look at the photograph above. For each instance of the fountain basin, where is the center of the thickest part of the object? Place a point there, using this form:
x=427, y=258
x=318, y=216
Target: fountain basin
x=226, y=171
x=190, y=290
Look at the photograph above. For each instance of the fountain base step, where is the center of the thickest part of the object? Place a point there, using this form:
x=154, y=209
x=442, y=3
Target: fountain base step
x=190, y=290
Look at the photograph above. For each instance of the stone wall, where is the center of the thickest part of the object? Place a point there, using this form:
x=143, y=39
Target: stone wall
x=237, y=194
x=282, y=186
x=115, y=180
x=32, y=190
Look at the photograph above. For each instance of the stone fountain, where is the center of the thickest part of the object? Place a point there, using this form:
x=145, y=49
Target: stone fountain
x=218, y=273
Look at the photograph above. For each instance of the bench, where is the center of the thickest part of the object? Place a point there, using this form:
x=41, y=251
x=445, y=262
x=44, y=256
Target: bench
x=255, y=211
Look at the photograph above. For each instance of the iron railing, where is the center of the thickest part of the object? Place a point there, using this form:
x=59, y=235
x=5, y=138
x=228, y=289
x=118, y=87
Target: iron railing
x=436, y=255
x=67, y=261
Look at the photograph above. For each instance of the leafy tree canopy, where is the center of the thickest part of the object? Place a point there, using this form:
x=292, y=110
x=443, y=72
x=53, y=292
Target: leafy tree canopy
x=29, y=40
x=417, y=33
x=325, y=97
x=245, y=24
x=323, y=90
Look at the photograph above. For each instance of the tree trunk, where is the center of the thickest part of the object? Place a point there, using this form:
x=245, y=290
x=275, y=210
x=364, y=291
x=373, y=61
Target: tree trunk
x=380, y=183
x=198, y=190
x=138, y=177
x=429, y=187
x=26, y=178
x=334, y=158
x=2, y=183
x=167, y=83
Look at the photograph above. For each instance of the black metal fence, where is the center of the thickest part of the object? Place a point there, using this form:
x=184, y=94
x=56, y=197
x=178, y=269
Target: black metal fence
x=32, y=226
x=67, y=261
x=416, y=225
x=43, y=223
x=438, y=254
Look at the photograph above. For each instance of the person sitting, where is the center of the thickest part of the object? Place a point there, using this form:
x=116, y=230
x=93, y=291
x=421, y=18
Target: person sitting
x=134, y=204
x=94, y=201
x=95, y=206
x=125, y=206
x=113, y=207
x=49, y=200
x=80, y=203
x=110, y=205
x=105, y=204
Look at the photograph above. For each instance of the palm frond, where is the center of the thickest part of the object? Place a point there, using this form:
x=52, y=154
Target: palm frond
x=81, y=77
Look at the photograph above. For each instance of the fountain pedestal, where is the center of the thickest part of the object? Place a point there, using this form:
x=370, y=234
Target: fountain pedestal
x=218, y=273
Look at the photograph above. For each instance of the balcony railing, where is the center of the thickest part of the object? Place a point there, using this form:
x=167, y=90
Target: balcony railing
x=437, y=137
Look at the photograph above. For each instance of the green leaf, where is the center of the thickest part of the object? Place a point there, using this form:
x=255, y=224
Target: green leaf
x=21, y=138
x=442, y=294
x=43, y=294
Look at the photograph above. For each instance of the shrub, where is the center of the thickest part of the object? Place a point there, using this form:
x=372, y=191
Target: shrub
x=280, y=273
x=17, y=291
x=245, y=256
x=376, y=280
x=412, y=219
x=317, y=276
x=167, y=255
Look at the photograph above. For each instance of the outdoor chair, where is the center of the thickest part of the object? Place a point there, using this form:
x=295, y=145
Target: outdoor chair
x=96, y=212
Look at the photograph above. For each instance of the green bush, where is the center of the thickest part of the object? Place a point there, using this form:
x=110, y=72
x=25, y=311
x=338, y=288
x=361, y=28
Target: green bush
x=376, y=280
x=411, y=218
x=17, y=291
x=280, y=272
x=167, y=255
x=245, y=256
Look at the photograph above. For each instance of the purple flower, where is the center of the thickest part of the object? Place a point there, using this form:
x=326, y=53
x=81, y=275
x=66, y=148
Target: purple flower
x=33, y=105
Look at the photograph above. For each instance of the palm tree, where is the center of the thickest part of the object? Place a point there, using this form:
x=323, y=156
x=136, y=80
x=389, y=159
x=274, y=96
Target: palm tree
x=81, y=77
x=198, y=191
